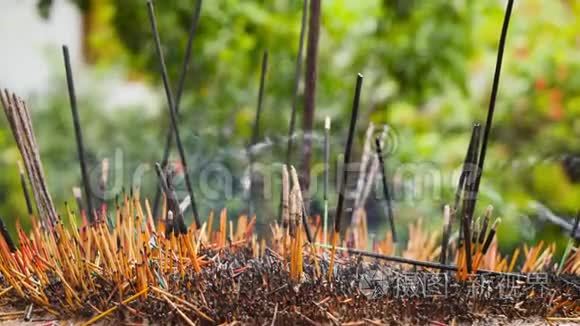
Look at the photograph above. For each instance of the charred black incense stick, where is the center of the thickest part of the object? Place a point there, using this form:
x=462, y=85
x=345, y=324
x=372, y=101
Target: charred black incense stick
x=78, y=133
x=490, y=236
x=347, y=152
x=389, y=211
x=484, y=225
x=459, y=193
x=180, y=87
x=446, y=232
x=264, y=71
x=6, y=236
x=25, y=190
x=469, y=193
x=171, y=107
x=256, y=129
x=472, y=174
x=297, y=74
x=494, y=92
x=476, y=129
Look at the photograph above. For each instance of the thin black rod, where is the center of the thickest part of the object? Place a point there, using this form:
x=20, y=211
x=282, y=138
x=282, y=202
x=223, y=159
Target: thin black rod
x=297, y=74
x=414, y=262
x=180, y=87
x=307, y=230
x=489, y=239
x=389, y=211
x=256, y=128
x=78, y=132
x=264, y=71
x=25, y=192
x=171, y=108
x=494, y=92
x=347, y=152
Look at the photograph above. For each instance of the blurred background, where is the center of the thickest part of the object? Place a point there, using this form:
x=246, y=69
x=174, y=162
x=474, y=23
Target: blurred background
x=428, y=67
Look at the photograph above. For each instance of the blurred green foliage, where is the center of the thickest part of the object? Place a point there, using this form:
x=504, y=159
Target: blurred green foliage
x=428, y=68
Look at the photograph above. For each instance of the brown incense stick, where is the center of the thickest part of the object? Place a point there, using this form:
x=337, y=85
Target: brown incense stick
x=310, y=93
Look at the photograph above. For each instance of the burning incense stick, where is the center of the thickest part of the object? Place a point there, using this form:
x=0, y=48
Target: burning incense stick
x=326, y=176
x=493, y=97
x=172, y=110
x=344, y=180
x=256, y=128
x=78, y=133
x=389, y=210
